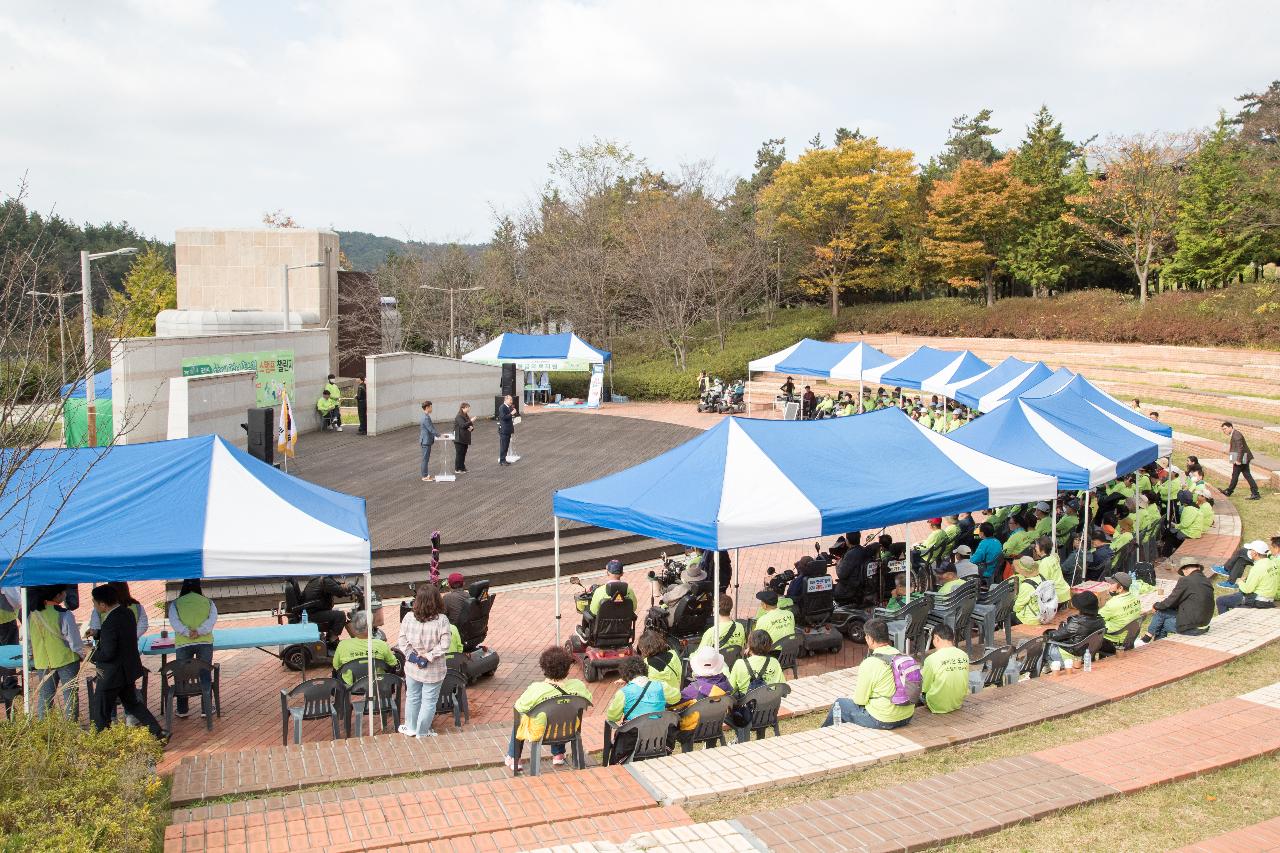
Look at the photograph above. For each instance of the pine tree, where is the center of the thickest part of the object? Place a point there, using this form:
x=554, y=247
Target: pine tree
x=149, y=288
x=1043, y=254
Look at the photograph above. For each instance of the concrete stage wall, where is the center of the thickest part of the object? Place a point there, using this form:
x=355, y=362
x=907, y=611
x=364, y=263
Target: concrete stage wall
x=398, y=382
x=142, y=367
x=211, y=405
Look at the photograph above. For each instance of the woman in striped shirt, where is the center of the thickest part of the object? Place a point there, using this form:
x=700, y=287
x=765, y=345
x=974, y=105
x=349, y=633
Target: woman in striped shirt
x=424, y=639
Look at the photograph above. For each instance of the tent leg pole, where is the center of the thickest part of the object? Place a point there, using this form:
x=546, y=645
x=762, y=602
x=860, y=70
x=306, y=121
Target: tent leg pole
x=368, y=615
x=861, y=399
x=906, y=538
x=556, y=546
x=1086, y=537
x=746, y=393
x=715, y=592
x=737, y=578
x=26, y=664
x=1053, y=523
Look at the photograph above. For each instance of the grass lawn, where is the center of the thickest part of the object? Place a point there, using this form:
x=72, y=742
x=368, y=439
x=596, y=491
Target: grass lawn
x=1250, y=672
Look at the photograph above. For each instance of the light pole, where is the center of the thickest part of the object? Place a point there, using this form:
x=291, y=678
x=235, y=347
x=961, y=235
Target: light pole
x=86, y=298
x=284, y=292
x=62, y=332
x=453, y=349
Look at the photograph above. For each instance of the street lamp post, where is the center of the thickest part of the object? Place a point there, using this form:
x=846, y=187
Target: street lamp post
x=284, y=292
x=62, y=329
x=453, y=346
x=86, y=288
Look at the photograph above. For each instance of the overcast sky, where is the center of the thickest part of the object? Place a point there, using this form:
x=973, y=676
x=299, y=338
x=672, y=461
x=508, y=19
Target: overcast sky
x=418, y=119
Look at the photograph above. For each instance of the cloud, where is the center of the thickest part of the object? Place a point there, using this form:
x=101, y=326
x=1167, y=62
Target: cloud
x=417, y=119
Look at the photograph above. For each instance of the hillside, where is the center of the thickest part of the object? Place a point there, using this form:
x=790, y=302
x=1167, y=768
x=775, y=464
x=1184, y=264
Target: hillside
x=366, y=251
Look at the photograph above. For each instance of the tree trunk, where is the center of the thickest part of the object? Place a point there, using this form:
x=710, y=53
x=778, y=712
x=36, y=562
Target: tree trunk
x=991, y=288
x=835, y=299
x=1142, y=287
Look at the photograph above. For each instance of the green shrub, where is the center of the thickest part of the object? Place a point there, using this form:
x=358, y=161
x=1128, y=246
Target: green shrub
x=67, y=789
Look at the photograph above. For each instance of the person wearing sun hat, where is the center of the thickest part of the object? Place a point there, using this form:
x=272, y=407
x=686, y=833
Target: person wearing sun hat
x=709, y=681
x=1186, y=610
x=1026, y=606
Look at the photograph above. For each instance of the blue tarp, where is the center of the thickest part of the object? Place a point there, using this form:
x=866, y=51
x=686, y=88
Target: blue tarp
x=814, y=358
x=927, y=363
x=751, y=482
x=1086, y=390
x=195, y=507
x=566, y=349
x=101, y=387
x=1002, y=382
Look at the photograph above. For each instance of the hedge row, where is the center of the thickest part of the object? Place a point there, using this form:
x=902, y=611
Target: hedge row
x=1243, y=315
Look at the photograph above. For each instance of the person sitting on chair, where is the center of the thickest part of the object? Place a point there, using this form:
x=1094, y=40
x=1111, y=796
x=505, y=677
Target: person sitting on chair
x=731, y=631
x=709, y=681
x=330, y=412
x=756, y=664
x=317, y=599
x=988, y=555
x=773, y=620
x=663, y=664
x=555, y=663
x=637, y=695
x=1075, y=628
x=356, y=647
x=964, y=567
x=948, y=580
x=1050, y=567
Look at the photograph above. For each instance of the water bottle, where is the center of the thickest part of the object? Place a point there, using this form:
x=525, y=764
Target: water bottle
x=1088, y=660
x=305, y=619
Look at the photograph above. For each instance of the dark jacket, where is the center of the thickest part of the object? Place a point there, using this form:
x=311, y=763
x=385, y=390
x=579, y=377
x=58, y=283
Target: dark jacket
x=1240, y=454
x=853, y=565
x=462, y=427
x=1076, y=628
x=455, y=605
x=1192, y=597
x=427, y=433
x=505, y=426
x=362, y=396
x=116, y=656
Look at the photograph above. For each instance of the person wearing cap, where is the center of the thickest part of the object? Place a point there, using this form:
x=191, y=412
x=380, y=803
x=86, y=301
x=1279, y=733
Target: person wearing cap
x=1018, y=540
x=1204, y=505
x=1186, y=610
x=871, y=704
x=732, y=632
x=1069, y=521
x=356, y=647
x=613, y=573
x=1026, y=606
x=935, y=537
x=1099, y=556
x=989, y=553
x=1044, y=520
x=898, y=599
x=1118, y=613
x=1050, y=568
x=455, y=600
x=773, y=620
x=1241, y=560
x=1260, y=584
x=709, y=682
x=944, y=673
x=1075, y=628
x=963, y=565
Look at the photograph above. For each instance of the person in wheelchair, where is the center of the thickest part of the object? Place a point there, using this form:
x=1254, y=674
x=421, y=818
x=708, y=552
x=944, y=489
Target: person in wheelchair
x=356, y=647
x=851, y=571
x=808, y=569
x=692, y=575
x=317, y=603
x=613, y=574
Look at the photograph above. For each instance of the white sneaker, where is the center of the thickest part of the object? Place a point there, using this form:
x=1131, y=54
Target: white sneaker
x=1139, y=643
x=406, y=731
x=557, y=760
x=339, y=427
x=511, y=764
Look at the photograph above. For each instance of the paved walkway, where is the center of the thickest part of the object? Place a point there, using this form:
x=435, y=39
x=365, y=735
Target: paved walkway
x=1260, y=838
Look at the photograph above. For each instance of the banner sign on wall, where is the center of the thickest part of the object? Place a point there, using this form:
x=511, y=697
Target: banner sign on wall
x=272, y=371
x=596, y=389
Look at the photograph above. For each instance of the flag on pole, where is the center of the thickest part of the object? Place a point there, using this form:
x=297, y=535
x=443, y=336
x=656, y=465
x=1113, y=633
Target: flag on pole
x=287, y=436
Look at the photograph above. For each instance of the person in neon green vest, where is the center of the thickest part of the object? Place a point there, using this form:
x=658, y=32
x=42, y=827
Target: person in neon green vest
x=773, y=620
x=1044, y=520
x=356, y=648
x=55, y=649
x=1019, y=540
x=193, y=617
x=10, y=604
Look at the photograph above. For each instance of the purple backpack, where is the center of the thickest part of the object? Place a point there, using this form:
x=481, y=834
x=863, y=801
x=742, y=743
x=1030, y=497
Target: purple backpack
x=907, y=678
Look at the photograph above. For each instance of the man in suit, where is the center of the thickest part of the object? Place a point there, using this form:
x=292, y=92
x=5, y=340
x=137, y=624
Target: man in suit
x=1240, y=456
x=427, y=436
x=118, y=663
x=506, y=428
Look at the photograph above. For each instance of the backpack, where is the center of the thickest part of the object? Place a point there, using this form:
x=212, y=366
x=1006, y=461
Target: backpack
x=907, y=678
x=740, y=715
x=1047, y=596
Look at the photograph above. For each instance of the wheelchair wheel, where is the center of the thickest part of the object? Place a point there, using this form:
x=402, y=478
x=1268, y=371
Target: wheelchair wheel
x=589, y=672
x=295, y=658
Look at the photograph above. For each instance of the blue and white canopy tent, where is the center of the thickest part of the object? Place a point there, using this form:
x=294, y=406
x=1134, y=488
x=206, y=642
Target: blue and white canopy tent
x=189, y=508
x=823, y=359
x=934, y=366
x=1065, y=381
x=547, y=353
x=747, y=482
x=75, y=411
x=1002, y=382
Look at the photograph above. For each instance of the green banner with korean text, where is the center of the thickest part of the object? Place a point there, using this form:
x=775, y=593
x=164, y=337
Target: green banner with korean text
x=272, y=371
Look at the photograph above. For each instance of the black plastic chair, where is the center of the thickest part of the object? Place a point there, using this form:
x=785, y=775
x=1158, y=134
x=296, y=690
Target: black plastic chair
x=182, y=678
x=564, y=726
x=1091, y=644
x=1030, y=656
x=320, y=699
x=453, y=696
x=993, y=609
x=731, y=655
x=763, y=704
x=710, y=728
x=91, y=688
x=1131, y=632
x=993, y=665
x=387, y=692
x=907, y=623
x=653, y=733
x=787, y=651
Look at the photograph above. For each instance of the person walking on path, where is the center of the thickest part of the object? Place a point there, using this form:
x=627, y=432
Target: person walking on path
x=424, y=639
x=427, y=436
x=506, y=428
x=118, y=663
x=463, y=424
x=1240, y=455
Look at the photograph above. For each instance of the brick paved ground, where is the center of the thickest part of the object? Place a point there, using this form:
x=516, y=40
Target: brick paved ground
x=1260, y=838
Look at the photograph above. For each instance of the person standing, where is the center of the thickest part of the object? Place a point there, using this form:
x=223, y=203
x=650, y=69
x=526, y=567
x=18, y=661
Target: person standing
x=506, y=428
x=1241, y=457
x=55, y=649
x=424, y=639
x=193, y=617
x=463, y=424
x=118, y=663
x=427, y=436
x=362, y=407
